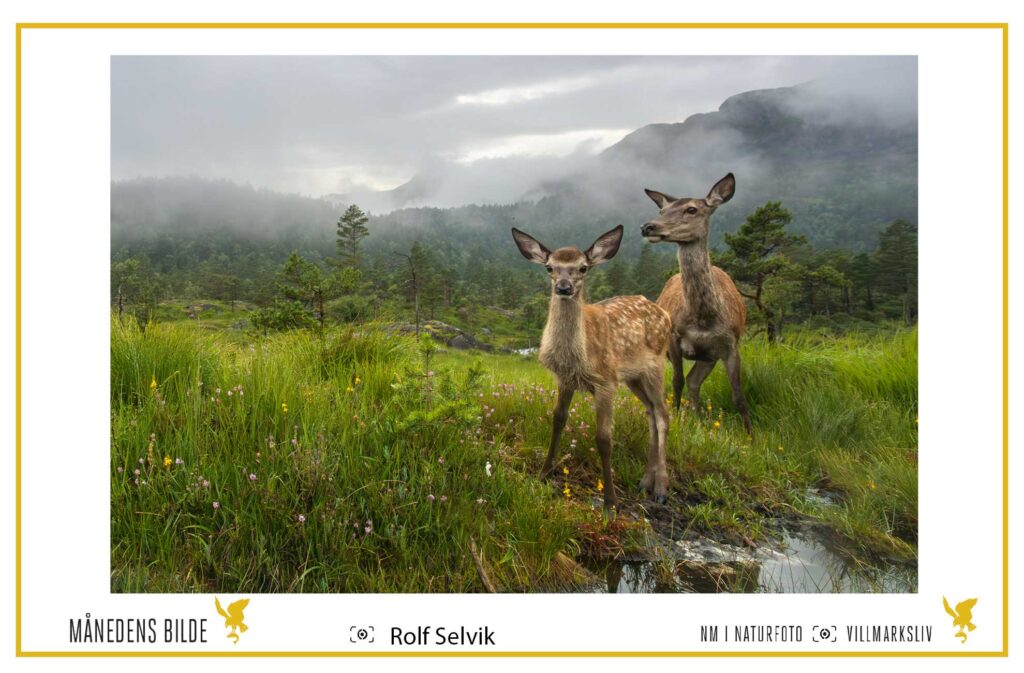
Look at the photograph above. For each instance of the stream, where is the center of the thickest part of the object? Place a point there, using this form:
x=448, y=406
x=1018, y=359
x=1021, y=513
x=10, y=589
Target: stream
x=801, y=559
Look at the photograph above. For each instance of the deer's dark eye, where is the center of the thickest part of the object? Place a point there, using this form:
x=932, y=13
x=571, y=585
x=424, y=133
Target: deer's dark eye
x=583, y=269
x=691, y=211
x=548, y=267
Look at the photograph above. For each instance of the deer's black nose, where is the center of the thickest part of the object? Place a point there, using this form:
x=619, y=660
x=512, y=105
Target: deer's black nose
x=647, y=228
x=563, y=287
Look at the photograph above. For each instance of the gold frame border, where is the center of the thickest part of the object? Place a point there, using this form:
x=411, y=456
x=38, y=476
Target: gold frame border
x=1003, y=27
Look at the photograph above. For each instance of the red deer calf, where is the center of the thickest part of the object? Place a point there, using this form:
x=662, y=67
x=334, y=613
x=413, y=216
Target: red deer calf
x=594, y=347
x=708, y=314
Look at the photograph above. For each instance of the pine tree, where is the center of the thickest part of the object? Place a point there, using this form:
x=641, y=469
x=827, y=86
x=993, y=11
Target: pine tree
x=756, y=256
x=351, y=231
x=305, y=287
x=652, y=271
x=896, y=265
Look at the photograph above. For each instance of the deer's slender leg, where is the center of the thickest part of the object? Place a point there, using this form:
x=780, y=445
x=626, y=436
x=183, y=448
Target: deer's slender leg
x=603, y=398
x=732, y=366
x=640, y=390
x=561, y=415
x=695, y=379
x=654, y=385
x=675, y=355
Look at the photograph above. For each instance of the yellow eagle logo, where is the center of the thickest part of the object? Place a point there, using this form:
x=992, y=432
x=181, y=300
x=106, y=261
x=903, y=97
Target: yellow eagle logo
x=961, y=616
x=233, y=618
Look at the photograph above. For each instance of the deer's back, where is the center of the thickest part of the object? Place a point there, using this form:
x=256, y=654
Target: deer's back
x=673, y=300
x=627, y=332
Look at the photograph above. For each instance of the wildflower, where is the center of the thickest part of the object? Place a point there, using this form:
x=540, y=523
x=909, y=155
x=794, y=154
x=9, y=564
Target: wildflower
x=137, y=472
x=152, y=384
x=179, y=461
x=430, y=498
x=284, y=407
x=444, y=498
x=718, y=424
x=600, y=486
x=565, y=471
x=780, y=449
x=216, y=504
x=120, y=470
x=872, y=485
x=206, y=483
x=566, y=491
x=440, y=460
x=358, y=381
x=480, y=501
x=302, y=518
x=369, y=527
x=167, y=462
x=350, y=389
x=252, y=477
x=487, y=468
x=230, y=393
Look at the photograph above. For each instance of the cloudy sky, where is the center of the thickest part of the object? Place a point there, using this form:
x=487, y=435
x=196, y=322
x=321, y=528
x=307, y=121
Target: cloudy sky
x=348, y=124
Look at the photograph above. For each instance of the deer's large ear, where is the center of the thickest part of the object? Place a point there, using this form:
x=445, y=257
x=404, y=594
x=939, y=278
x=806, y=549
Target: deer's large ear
x=660, y=199
x=531, y=248
x=722, y=191
x=605, y=247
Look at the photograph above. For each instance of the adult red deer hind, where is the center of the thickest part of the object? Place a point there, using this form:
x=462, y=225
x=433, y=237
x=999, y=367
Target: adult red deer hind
x=594, y=347
x=708, y=313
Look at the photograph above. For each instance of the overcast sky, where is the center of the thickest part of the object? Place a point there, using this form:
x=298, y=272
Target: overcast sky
x=319, y=125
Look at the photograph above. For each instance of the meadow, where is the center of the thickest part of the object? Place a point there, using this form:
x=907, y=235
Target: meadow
x=362, y=460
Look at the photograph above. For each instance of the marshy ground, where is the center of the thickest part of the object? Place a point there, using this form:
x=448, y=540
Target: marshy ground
x=364, y=461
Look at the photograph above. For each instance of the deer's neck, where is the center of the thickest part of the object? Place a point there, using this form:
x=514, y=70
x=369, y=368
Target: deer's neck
x=702, y=298
x=563, y=345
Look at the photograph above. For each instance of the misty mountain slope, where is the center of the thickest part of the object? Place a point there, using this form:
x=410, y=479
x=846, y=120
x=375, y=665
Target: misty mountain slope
x=843, y=169
x=842, y=165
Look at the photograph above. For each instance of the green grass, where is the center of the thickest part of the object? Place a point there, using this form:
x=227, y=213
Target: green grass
x=368, y=457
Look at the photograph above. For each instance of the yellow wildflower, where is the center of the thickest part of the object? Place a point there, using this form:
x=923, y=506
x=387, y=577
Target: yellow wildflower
x=565, y=470
x=566, y=491
x=167, y=462
x=152, y=384
x=600, y=486
x=718, y=424
x=871, y=484
x=350, y=389
x=284, y=407
x=780, y=449
x=358, y=380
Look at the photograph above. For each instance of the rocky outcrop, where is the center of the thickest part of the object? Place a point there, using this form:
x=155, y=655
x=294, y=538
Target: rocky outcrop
x=446, y=334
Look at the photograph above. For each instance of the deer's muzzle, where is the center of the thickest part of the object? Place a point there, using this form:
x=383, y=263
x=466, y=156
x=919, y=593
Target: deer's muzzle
x=563, y=288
